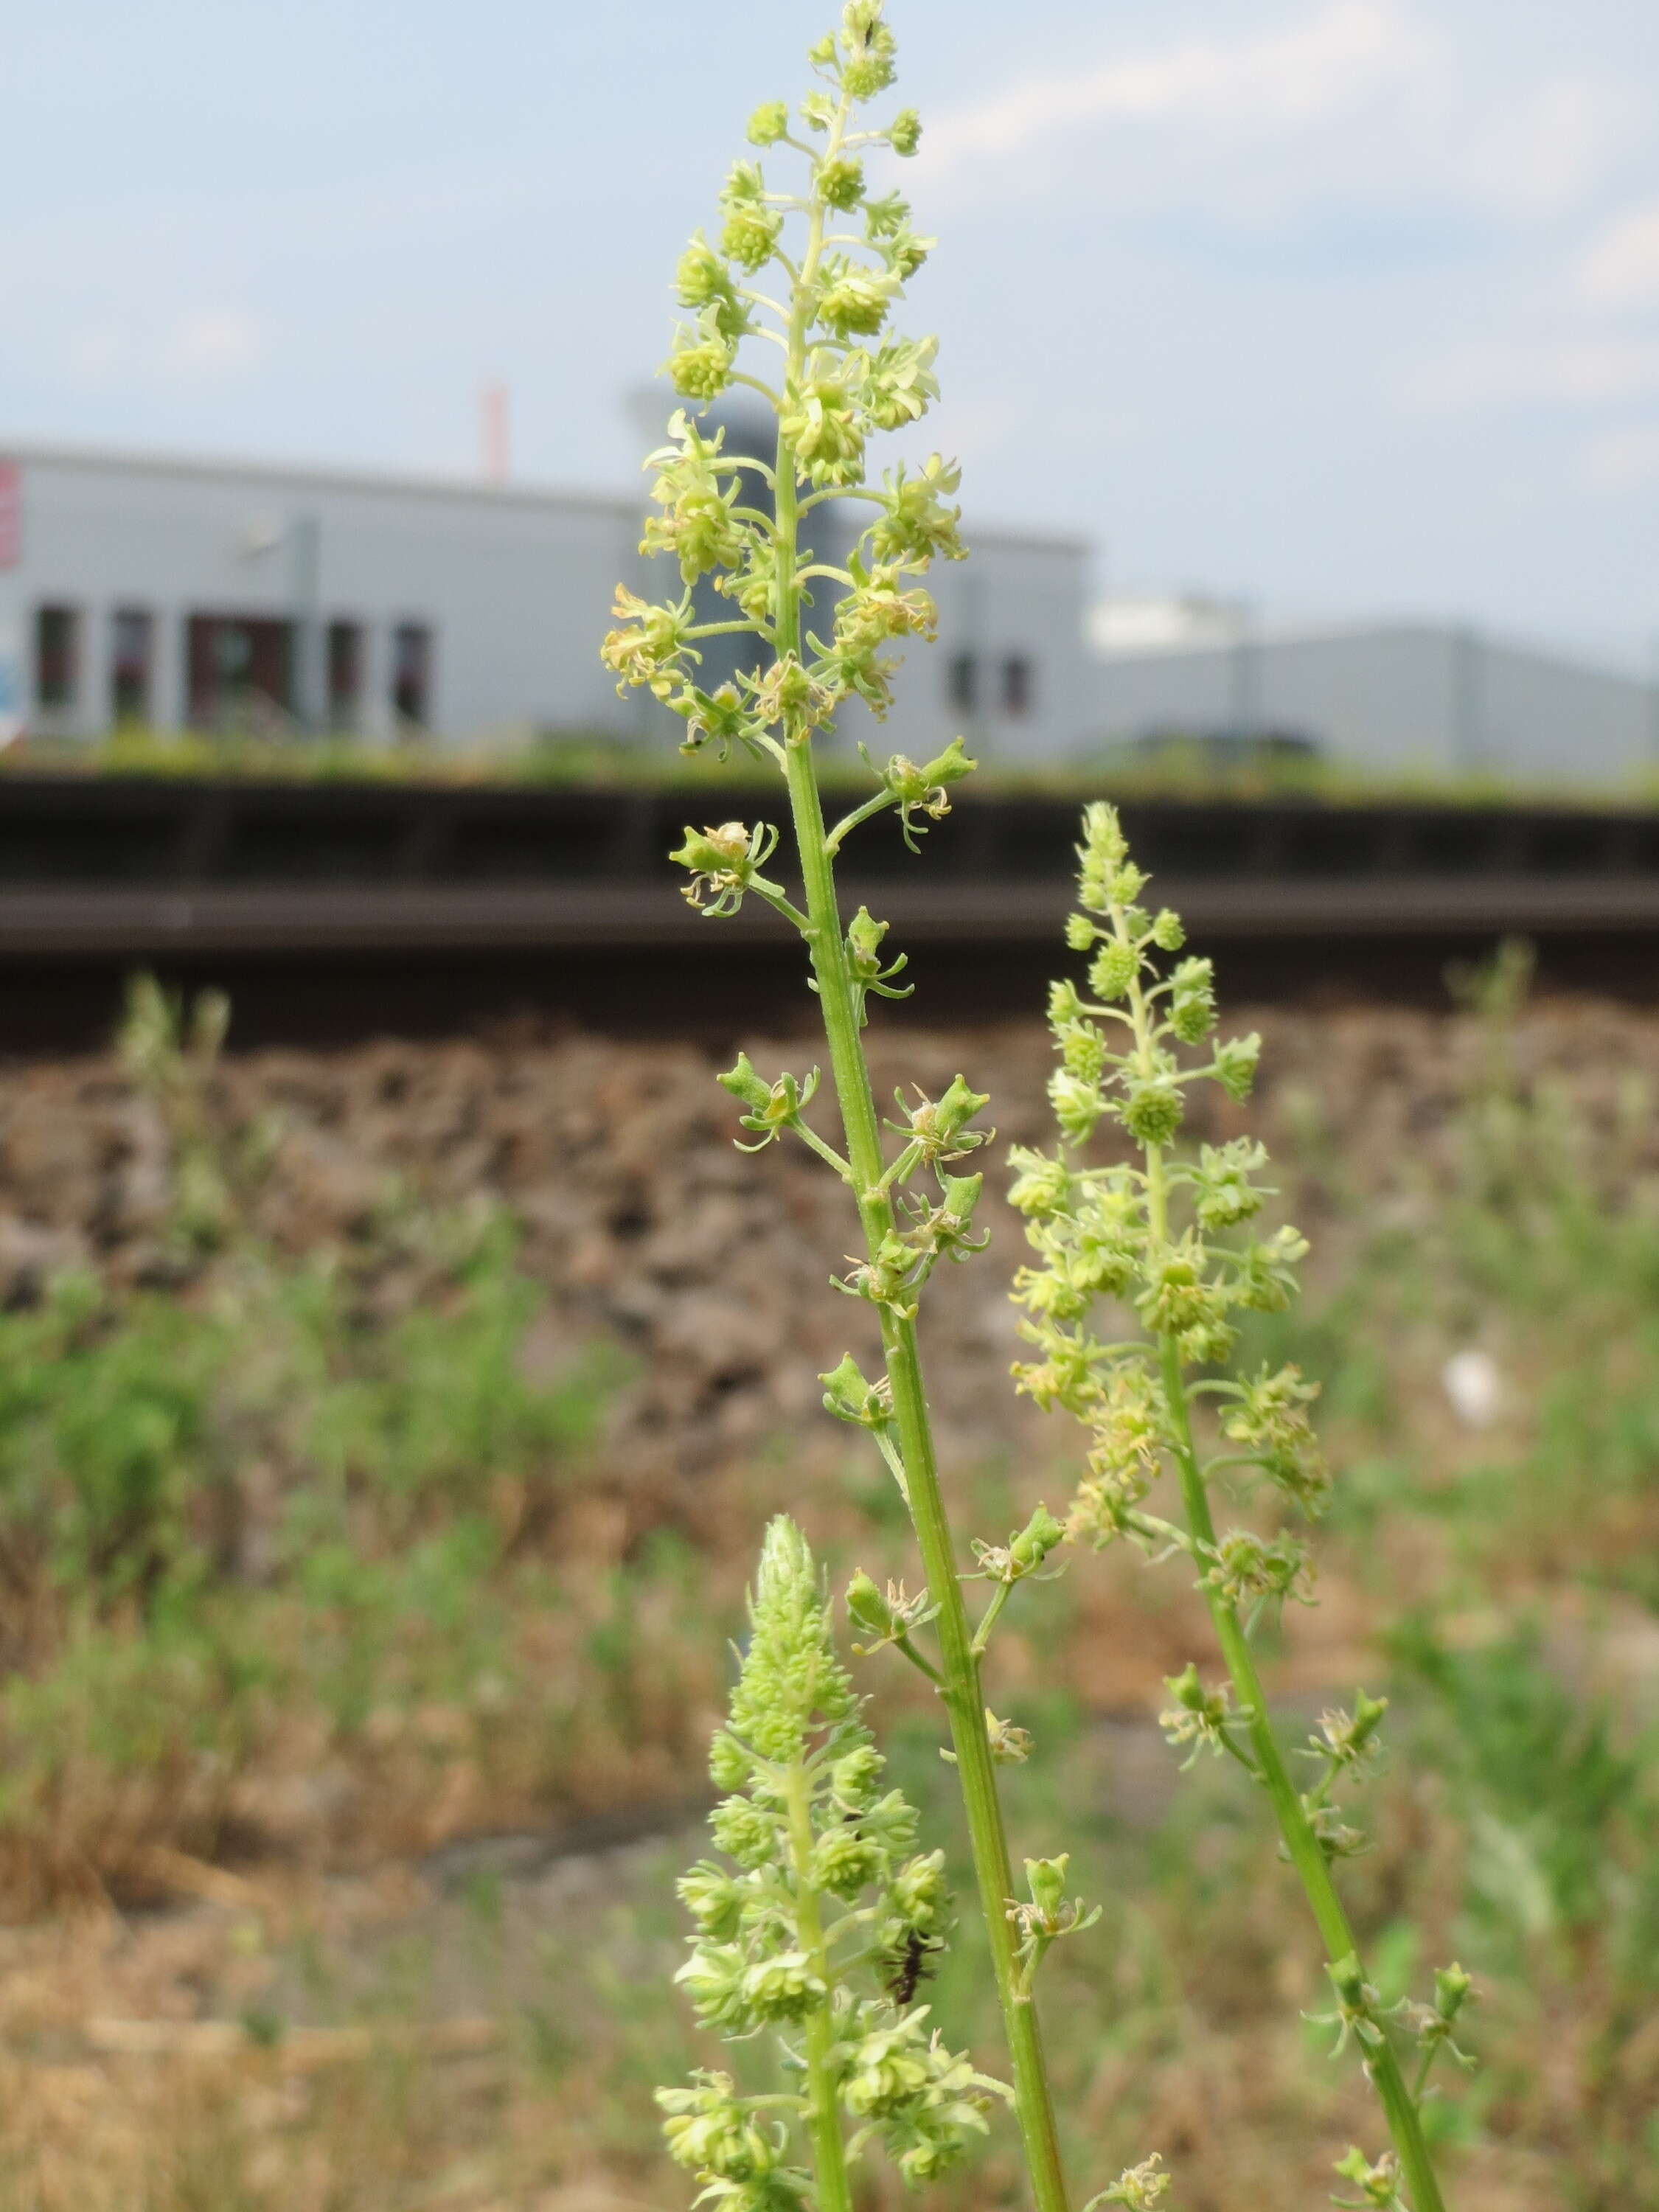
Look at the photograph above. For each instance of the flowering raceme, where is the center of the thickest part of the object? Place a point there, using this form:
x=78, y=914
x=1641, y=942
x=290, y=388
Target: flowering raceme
x=815, y=1928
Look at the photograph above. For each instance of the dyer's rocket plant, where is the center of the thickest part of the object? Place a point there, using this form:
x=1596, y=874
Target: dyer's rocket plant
x=1172, y=1240
x=790, y=301
x=824, y=1933
x=820, y=1935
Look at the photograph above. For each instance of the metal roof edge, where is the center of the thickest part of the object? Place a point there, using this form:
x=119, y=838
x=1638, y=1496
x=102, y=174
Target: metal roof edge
x=313, y=475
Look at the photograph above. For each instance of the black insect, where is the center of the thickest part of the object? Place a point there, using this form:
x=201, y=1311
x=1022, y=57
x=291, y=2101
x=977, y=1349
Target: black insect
x=910, y=1967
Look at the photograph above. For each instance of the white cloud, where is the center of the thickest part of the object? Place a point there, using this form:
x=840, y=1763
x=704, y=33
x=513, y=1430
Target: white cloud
x=1305, y=73
x=1359, y=103
x=1522, y=371
x=1622, y=267
x=1623, y=460
x=211, y=342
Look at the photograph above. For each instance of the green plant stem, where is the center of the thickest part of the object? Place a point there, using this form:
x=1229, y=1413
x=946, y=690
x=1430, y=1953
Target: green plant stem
x=1307, y=1855
x=960, y=1690
x=835, y=2192
x=963, y=1702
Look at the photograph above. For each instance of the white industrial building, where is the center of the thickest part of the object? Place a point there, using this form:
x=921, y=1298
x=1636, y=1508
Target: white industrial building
x=1390, y=699
x=216, y=594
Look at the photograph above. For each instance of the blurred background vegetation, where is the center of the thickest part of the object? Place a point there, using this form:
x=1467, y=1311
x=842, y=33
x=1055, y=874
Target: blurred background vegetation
x=356, y=1694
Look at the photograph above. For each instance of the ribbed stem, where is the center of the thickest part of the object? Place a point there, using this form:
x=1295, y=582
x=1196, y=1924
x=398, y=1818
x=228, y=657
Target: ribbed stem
x=835, y=2189
x=1306, y=1854
x=1306, y=1857
x=963, y=1702
x=838, y=1003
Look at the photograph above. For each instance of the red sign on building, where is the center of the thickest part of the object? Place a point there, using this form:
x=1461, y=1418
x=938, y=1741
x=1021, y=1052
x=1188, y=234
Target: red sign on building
x=11, y=514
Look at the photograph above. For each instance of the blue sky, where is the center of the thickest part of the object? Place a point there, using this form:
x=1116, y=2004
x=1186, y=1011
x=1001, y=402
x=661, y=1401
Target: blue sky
x=1350, y=307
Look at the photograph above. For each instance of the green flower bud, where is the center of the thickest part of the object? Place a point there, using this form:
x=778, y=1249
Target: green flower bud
x=1081, y=932
x=1065, y=1004
x=918, y=1893
x=843, y=1862
x=854, y=301
x=710, y=2131
x=782, y=1988
x=701, y=368
x=729, y=1765
x=947, y=768
x=904, y=132
x=855, y=1774
x=1077, y=1105
x=868, y=49
x=701, y=276
x=713, y=1978
x=841, y=181
x=743, y=1831
x=1084, y=1052
x=1167, y=933
x=1113, y=968
x=822, y=428
x=898, y=384
x=1186, y=1688
x=850, y=1398
x=868, y=1609
x=750, y=234
x=714, y=1898
x=1040, y=1188
x=1191, y=1000
x=1236, y=1065
x=1046, y=1880
x=891, y=1822
x=915, y=524
x=1039, y=1535
x=741, y=1081
x=1153, y=1109
x=1176, y=1298
x=769, y=123
x=1451, y=1984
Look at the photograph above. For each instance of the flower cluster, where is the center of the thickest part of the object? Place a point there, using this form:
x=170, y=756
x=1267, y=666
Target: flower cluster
x=817, y=1927
x=1172, y=1238
x=848, y=376
x=1168, y=1238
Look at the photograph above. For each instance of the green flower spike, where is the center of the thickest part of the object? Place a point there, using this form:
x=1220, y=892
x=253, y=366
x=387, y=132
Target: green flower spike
x=1171, y=1238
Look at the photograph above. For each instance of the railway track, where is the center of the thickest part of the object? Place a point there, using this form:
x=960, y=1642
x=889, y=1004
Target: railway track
x=333, y=909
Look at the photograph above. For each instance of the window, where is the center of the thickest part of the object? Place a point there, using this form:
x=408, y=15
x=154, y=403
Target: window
x=130, y=664
x=962, y=679
x=411, y=671
x=240, y=672
x=1016, y=685
x=57, y=656
x=345, y=674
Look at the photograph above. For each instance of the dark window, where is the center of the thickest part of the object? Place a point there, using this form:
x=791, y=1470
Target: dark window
x=240, y=671
x=129, y=664
x=1017, y=685
x=411, y=671
x=962, y=676
x=345, y=674
x=56, y=655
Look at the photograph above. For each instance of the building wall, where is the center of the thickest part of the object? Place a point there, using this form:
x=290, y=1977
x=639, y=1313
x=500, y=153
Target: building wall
x=1009, y=673
x=1442, y=699
x=514, y=587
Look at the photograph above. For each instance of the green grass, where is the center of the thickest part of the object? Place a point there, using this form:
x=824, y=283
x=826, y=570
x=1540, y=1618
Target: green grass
x=299, y=1579
x=595, y=760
